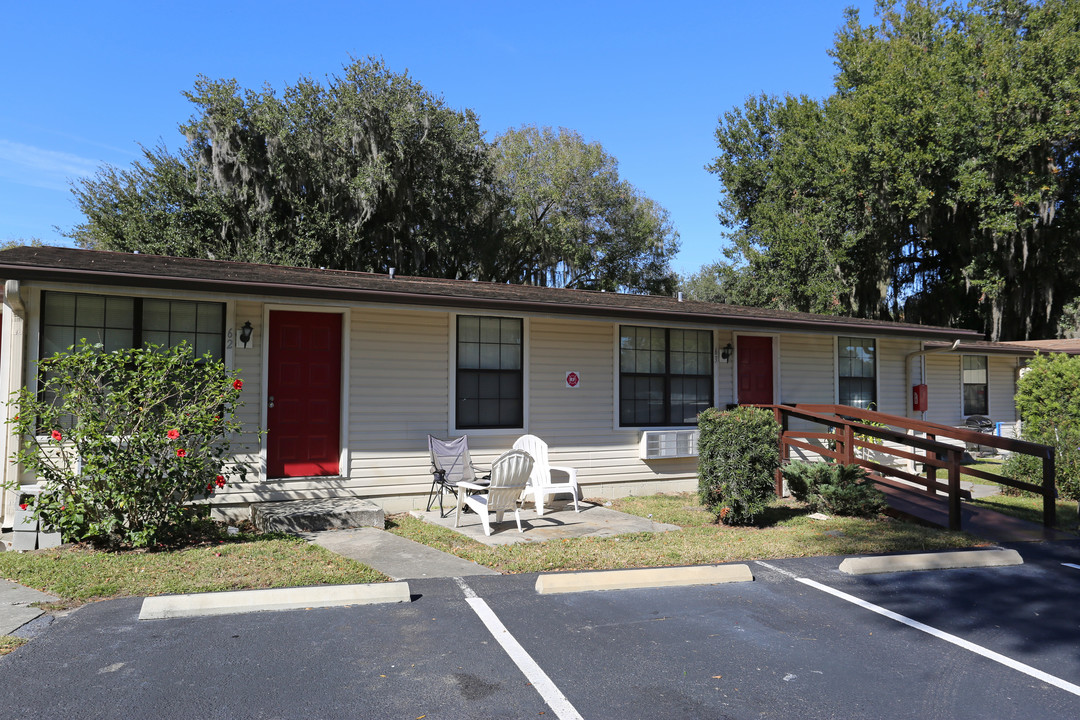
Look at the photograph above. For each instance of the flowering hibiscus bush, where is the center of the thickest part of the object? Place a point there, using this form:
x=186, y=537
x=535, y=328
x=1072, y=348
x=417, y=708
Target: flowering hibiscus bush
x=125, y=442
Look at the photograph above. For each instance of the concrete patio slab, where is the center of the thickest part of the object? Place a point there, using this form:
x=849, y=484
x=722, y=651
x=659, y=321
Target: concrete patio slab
x=559, y=522
x=395, y=556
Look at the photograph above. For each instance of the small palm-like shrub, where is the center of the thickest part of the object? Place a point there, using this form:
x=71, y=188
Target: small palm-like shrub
x=835, y=489
x=738, y=454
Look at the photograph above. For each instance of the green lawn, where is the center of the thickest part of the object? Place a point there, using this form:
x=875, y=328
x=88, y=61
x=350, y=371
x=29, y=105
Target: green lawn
x=1031, y=509
x=990, y=465
x=241, y=562
x=786, y=531
x=1027, y=507
x=10, y=643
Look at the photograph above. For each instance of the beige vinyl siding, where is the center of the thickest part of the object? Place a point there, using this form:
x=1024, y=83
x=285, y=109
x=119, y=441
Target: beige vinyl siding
x=579, y=424
x=725, y=380
x=893, y=390
x=943, y=389
x=1001, y=375
x=398, y=395
x=807, y=375
x=807, y=369
x=248, y=363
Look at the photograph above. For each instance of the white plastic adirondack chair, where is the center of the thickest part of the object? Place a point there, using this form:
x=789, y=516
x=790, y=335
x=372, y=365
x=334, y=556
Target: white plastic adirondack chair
x=509, y=475
x=541, y=484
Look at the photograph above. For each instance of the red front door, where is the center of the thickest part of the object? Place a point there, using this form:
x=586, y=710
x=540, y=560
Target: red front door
x=755, y=370
x=304, y=394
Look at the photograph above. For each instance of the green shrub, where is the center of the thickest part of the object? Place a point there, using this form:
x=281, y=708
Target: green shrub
x=738, y=454
x=1048, y=400
x=1021, y=467
x=123, y=442
x=835, y=489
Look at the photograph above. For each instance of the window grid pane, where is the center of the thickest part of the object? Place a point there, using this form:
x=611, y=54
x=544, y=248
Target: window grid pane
x=110, y=320
x=975, y=385
x=665, y=375
x=489, y=372
x=857, y=372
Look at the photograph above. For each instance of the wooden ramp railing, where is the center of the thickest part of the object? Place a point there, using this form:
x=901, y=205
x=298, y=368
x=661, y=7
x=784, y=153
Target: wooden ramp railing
x=844, y=433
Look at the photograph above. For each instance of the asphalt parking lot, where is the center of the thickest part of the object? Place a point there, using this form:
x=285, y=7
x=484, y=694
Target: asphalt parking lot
x=994, y=643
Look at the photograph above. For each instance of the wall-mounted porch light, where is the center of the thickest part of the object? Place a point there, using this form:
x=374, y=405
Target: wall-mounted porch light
x=245, y=333
x=725, y=354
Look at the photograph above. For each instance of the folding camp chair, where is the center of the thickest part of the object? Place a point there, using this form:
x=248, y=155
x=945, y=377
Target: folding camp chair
x=450, y=465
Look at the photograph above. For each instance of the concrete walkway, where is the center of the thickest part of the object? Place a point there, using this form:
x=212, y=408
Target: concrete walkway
x=15, y=609
x=395, y=556
x=404, y=559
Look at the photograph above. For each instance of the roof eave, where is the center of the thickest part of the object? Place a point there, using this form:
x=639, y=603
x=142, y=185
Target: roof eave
x=55, y=274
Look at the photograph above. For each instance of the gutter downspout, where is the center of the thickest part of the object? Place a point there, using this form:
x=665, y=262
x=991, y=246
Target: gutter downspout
x=907, y=371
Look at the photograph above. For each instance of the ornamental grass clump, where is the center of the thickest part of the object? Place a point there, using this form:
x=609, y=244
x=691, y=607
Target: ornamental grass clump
x=834, y=489
x=738, y=454
x=125, y=443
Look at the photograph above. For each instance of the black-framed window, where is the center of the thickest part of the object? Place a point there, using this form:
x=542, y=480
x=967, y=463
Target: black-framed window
x=665, y=375
x=123, y=322
x=489, y=386
x=857, y=372
x=975, y=385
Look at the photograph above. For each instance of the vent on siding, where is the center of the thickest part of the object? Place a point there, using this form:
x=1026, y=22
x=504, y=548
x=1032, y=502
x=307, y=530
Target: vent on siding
x=657, y=444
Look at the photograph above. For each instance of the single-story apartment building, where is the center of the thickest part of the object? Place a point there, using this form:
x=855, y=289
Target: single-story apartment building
x=348, y=372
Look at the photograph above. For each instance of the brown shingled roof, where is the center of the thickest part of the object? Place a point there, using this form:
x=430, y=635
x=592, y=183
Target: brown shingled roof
x=1014, y=347
x=111, y=268
x=1067, y=346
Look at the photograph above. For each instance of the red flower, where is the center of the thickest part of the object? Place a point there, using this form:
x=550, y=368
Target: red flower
x=173, y=434
x=181, y=452
x=238, y=384
x=209, y=487
x=220, y=481
x=57, y=436
x=22, y=506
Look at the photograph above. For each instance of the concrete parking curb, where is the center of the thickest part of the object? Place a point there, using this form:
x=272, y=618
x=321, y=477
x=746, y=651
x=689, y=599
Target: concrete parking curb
x=643, y=578
x=244, y=601
x=930, y=561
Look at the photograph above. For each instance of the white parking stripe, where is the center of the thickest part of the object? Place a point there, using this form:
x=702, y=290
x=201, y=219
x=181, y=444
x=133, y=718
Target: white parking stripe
x=535, y=674
x=978, y=649
x=1071, y=565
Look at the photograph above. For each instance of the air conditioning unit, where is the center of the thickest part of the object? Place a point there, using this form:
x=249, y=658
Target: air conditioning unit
x=660, y=444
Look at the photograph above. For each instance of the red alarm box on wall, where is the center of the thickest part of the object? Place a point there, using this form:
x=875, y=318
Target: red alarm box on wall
x=918, y=398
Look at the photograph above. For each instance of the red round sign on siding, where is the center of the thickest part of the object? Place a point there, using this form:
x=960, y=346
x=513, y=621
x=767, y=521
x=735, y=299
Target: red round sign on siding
x=572, y=379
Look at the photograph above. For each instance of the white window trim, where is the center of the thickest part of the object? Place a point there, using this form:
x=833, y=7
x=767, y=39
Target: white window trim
x=877, y=367
x=616, y=372
x=735, y=335
x=344, y=455
x=964, y=414
x=451, y=398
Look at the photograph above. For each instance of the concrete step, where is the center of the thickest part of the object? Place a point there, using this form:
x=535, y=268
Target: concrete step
x=305, y=516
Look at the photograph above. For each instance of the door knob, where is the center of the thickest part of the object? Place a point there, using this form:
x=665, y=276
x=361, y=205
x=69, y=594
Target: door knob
x=271, y=401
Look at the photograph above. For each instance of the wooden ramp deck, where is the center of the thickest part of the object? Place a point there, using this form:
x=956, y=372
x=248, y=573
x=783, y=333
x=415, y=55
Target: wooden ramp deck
x=978, y=521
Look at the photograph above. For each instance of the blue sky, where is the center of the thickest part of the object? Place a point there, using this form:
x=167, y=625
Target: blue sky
x=85, y=83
